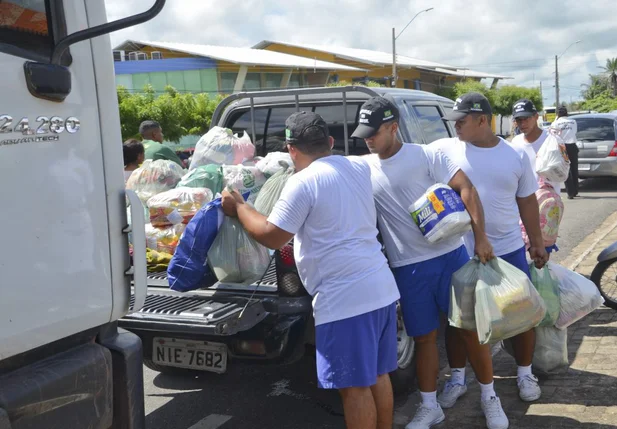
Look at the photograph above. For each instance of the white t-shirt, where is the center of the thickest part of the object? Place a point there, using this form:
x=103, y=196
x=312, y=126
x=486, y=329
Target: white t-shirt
x=329, y=207
x=531, y=149
x=567, y=129
x=397, y=183
x=500, y=174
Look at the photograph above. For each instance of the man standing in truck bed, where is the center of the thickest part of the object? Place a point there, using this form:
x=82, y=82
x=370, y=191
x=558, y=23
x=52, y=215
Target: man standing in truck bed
x=328, y=206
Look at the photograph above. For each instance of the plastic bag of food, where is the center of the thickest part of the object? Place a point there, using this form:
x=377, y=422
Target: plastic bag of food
x=440, y=214
x=550, y=355
x=164, y=239
x=243, y=179
x=271, y=191
x=235, y=257
x=578, y=296
x=220, y=146
x=205, y=176
x=274, y=162
x=154, y=177
x=547, y=286
x=461, y=313
x=551, y=212
x=177, y=205
x=552, y=161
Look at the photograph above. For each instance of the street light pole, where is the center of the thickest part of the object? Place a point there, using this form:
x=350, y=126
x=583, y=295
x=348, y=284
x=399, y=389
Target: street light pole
x=557, y=73
x=394, y=37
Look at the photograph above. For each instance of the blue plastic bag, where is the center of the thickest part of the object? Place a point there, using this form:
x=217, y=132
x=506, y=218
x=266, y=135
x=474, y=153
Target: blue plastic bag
x=188, y=269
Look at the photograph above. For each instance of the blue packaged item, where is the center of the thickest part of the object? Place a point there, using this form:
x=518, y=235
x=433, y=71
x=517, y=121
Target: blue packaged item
x=188, y=269
x=440, y=214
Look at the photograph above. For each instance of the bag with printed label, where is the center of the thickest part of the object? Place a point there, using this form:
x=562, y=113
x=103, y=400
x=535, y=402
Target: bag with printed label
x=221, y=146
x=552, y=161
x=177, y=205
x=440, y=214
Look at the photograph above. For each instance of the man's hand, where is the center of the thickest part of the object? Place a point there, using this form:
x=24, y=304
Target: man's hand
x=230, y=201
x=539, y=256
x=484, y=250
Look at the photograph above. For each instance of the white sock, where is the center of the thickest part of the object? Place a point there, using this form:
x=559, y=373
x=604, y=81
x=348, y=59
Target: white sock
x=523, y=371
x=487, y=391
x=457, y=376
x=429, y=399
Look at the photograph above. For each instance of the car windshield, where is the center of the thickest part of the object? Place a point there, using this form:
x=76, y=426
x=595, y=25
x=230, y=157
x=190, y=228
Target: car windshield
x=595, y=129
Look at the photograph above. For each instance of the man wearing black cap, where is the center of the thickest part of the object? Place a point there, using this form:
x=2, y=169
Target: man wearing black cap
x=566, y=128
x=401, y=174
x=506, y=183
x=328, y=206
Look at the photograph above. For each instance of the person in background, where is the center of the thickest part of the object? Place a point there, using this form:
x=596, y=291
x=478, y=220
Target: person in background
x=133, y=152
x=566, y=129
x=354, y=304
x=152, y=135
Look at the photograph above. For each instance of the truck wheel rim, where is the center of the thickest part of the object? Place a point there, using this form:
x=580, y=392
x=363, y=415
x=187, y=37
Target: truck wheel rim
x=405, y=345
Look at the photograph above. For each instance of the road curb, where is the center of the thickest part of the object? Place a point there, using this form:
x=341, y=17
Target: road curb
x=612, y=226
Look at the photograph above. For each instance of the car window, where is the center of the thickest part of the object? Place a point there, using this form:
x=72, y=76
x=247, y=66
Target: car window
x=334, y=117
x=431, y=122
x=241, y=121
x=24, y=24
x=595, y=129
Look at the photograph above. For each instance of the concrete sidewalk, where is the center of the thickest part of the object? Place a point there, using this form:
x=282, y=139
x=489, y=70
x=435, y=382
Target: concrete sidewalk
x=583, y=397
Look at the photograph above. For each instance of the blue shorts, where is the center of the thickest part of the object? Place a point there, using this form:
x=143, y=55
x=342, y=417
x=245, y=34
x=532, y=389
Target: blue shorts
x=425, y=290
x=353, y=352
x=518, y=258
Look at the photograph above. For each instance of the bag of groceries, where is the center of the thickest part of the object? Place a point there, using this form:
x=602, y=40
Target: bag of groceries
x=177, y=205
x=271, y=191
x=205, y=176
x=220, y=146
x=440, y=214
x=274, y=162
x=578, y=296
x=552, y=161
x=154, y=177
x=547, y=286
x=164, y=239
x=550, y=355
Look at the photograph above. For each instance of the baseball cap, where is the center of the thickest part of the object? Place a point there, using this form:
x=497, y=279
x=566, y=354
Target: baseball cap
x=375, y=112
x=305, y=127
x=472, y=102
x=523, y=108
x=562, y=111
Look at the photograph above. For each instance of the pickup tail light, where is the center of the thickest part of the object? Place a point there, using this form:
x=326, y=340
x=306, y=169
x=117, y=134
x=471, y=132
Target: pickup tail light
x=614, y=150
x=288, y=281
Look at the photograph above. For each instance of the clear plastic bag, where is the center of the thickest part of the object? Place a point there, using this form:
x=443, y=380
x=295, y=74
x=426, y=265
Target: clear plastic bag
x=552, y=161
x=461, y=313
x=205, y=176
x=578, y=296
x=177, y=205
x=271, y=191
x=220, y=146
x=440, y=214
x=242, y=178
x=164, y=239
x=547, y=285
x=235, y=257
x=154, y=177
x=274, y=162
x=551, y=352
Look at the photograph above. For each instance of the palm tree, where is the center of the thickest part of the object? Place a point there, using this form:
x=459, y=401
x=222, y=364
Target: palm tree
x=611, y=71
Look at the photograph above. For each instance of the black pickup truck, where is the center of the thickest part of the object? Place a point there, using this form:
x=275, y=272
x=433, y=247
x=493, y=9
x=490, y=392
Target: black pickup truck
x=271, y=321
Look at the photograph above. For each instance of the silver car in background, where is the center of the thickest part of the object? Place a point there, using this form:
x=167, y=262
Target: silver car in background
x=597, y=143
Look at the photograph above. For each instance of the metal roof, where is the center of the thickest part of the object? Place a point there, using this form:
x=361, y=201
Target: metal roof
x=242, y=56
x=469, y=73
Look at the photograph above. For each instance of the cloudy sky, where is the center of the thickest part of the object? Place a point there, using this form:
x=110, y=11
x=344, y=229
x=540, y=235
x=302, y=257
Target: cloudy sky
x=515, y=38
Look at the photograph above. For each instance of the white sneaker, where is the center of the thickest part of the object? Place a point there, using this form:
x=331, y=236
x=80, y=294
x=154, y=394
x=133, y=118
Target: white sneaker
x=495, y=417
x=450, y=393
x=426, y=418
x=528, y=388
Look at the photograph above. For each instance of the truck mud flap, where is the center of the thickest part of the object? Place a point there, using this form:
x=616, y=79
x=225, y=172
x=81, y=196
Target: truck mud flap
x=217, y=315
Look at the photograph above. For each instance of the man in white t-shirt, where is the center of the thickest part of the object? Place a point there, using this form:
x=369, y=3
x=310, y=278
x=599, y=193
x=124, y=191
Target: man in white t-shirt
x=502, y=174
x=328, y=206
x=567, y=128
x=401, y=174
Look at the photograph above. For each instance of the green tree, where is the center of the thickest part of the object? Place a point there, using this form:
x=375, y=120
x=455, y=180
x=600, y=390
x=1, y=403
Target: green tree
x=602, y=103
x=598, y=84
x=506, y=96
x=610, y=70
x=470, y=85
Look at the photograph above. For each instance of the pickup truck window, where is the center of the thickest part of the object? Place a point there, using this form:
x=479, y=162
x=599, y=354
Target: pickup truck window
x=24, y=24
x=333, y=115
x=431, y=122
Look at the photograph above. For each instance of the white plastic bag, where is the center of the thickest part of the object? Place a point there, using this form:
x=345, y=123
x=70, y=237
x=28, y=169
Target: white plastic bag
x=220, y=146
x=274, y=162
x=242, y=178
x=552, y=161
x=154, y=177
x=578, y=296
x=551, y=352
x=440, y=214
x=271, y=191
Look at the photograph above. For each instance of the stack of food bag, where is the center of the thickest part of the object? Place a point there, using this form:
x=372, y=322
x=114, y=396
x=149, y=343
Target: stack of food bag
x=220, y=146
x=154, y=177
x=440, y=214
x=177, y=205
x=205, y=176
x=505, y=303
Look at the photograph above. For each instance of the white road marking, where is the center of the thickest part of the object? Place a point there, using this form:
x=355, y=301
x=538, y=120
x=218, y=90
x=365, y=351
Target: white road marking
x=213, y=421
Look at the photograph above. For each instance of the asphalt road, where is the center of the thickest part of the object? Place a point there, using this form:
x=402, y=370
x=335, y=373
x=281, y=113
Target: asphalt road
x=262, y=397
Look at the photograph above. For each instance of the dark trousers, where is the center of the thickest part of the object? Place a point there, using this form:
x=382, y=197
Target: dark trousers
x=572, y=181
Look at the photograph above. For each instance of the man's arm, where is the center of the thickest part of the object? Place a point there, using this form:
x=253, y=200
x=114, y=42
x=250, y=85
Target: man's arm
x=530, y=215
x=463, y=186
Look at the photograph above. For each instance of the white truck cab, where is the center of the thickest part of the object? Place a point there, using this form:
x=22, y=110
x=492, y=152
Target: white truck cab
x=65, y=271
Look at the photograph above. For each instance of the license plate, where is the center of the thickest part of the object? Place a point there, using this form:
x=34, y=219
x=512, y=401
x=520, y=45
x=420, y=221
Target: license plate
x=199, y=355
x=584, y=166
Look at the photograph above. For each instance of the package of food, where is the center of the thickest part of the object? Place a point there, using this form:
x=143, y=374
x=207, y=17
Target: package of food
x=552, y=161
x=164, y=239
x=547, y=286
x=440, y=214
x=205, y=176
x=271, y=191
x=243, y=179
x=220, y=146
x=177, y=205
x=154, y=177
x=578, y=296
x=274, y=162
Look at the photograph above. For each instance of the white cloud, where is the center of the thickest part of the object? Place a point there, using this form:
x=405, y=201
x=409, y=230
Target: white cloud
x=487, y=35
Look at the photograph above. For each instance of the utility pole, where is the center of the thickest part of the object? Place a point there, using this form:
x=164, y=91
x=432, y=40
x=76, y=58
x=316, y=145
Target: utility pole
x=394, y=77
x=556, y=82
x=541, y=93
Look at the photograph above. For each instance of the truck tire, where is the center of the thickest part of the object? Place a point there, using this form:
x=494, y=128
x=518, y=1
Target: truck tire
x=403, y=379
